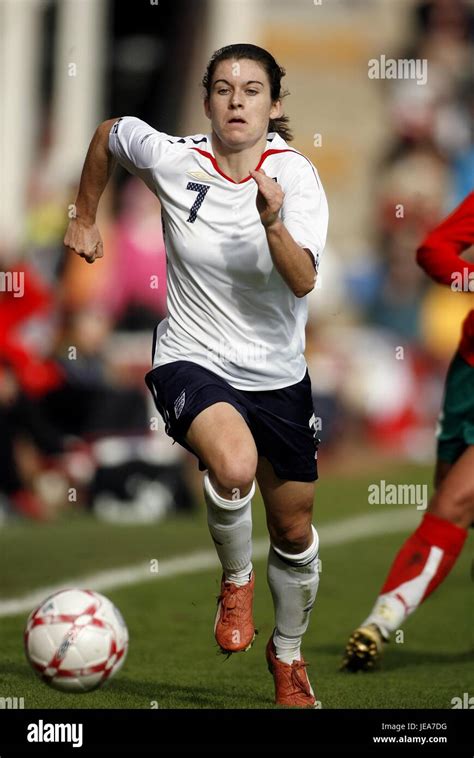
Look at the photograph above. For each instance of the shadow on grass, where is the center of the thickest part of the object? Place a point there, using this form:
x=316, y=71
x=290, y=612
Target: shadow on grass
x=144, y=693
x=396, y=656
x=187, y=696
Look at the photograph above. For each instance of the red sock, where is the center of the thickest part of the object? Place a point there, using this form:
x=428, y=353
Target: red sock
x=412, y=559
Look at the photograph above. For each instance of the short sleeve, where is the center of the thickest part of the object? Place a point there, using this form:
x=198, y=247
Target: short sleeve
x=138, y=147
x=305, y=209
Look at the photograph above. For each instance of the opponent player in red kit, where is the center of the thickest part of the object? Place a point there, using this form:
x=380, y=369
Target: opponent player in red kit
x=431, y=551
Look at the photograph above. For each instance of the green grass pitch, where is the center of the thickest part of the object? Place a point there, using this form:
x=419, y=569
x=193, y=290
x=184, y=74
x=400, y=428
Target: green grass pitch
x=173, y=660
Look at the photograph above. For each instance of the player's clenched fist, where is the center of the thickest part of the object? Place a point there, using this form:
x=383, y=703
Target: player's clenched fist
x=269, y=197
x=84, y=240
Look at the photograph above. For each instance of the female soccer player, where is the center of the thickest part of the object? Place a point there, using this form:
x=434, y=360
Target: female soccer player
x=429, y=554
x=245, y=221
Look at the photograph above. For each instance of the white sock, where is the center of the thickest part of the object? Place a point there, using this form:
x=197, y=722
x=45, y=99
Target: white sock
x=392, y=608
x=239, y=577
x=293, y=581
x=388, y=614
x=288, y=649
x=230, y=525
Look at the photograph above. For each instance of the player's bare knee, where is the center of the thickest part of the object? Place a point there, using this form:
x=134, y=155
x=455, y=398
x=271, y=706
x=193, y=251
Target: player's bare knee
x=234, y=474
x=292, y=538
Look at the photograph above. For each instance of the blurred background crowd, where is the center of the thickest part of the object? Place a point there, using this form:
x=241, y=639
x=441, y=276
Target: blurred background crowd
x=77, y=425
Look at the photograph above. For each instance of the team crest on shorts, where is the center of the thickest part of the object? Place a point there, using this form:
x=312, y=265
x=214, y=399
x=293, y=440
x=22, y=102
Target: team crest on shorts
x=179, y=404
x=313, y=424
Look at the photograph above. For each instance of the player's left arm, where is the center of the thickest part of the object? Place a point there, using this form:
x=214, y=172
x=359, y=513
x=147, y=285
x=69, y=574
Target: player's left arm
x=295, y=222
x=440, y=252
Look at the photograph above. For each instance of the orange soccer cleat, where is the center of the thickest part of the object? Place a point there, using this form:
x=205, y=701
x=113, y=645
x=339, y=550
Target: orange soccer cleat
x=292, y=687
x=234, y=628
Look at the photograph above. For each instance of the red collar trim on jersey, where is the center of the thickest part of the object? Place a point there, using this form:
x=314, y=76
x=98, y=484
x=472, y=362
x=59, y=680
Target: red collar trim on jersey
x=264, y=155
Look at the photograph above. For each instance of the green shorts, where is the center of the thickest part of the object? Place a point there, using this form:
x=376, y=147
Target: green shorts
x=455, y=430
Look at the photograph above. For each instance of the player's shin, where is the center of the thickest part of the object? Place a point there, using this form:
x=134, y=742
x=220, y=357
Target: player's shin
x=230, y=525
x=422, y=563
x=293, y=581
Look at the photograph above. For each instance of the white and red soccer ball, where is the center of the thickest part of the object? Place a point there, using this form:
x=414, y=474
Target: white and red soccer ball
x=76, y=640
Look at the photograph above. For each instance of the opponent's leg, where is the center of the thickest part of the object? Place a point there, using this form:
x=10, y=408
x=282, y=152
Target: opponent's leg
x=223, y=441
x=441, y=471
x=422, y=563
x=293, y=577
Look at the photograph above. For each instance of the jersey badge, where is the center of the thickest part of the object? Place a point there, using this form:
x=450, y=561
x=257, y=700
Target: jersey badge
x=201, y=176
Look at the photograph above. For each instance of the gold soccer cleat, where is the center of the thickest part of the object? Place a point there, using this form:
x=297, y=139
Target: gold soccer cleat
x=364, y=649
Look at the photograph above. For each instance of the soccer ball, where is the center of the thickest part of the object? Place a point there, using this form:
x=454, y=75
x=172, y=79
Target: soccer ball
x=76, y=640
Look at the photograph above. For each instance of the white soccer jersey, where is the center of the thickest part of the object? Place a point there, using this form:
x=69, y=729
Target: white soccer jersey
x=229, y=309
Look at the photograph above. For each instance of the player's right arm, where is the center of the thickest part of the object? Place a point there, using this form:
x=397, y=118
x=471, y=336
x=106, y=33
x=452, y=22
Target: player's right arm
x=82, y=235
x=139, y=148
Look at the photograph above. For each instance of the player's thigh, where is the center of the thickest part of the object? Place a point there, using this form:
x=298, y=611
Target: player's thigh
x=454, y=498
x=288, y=506
x=222, y=439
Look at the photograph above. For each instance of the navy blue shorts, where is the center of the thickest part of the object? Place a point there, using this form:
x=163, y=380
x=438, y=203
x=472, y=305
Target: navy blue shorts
x=282, y=422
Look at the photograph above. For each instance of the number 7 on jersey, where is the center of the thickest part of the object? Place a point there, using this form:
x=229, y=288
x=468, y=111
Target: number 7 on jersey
x=201, y=190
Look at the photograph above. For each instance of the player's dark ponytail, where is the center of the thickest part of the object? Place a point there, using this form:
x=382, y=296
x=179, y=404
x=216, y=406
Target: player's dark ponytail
x=275, y=74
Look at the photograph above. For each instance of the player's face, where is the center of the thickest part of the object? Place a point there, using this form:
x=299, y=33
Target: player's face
x=239, y=105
